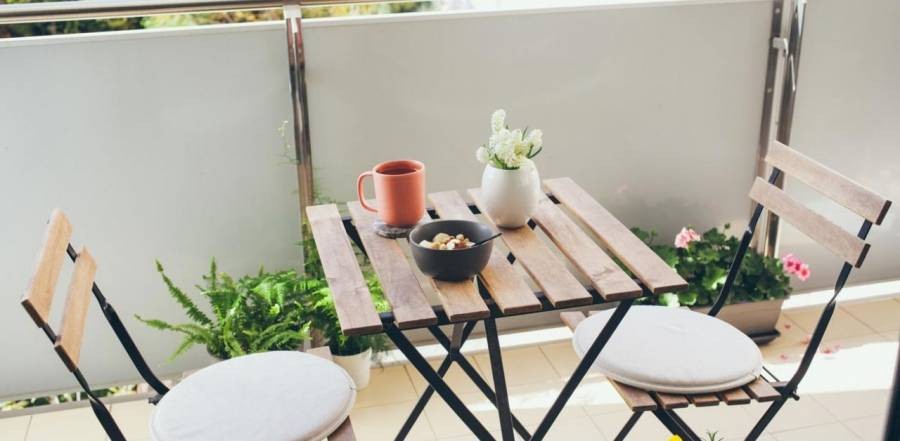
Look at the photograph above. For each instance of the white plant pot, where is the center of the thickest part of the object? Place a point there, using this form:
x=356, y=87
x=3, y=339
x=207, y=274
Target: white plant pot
x=509, y=197
x=357, y=366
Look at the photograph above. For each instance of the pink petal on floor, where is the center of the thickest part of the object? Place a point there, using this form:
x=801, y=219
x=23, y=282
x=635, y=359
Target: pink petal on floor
x=783, y=357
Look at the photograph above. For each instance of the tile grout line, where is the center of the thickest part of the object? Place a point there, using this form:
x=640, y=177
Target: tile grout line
x=859, y=319
x=424, y=414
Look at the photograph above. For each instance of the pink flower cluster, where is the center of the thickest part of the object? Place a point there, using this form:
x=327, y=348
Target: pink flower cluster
x=793, y=265
x=686, y=236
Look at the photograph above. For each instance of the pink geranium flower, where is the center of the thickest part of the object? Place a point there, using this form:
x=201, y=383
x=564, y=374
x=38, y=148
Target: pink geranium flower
x=803, y=273
x=793, y=265
x=686, y=236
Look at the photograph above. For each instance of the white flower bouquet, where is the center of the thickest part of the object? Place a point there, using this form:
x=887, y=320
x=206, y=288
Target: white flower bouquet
x=509, y=149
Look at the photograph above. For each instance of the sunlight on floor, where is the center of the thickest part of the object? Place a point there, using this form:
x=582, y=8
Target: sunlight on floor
x=844, y=396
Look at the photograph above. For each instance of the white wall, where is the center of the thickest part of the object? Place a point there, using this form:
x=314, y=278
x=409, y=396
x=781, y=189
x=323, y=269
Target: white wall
x=654, y=109
x=847, y=114
x=158, y=145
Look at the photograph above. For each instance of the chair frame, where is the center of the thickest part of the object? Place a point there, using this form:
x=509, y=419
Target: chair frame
x=104, y=416
x=812, y=173
x=112, y=317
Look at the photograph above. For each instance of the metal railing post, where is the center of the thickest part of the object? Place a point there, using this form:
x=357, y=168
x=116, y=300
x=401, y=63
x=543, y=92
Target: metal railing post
x=299, y=104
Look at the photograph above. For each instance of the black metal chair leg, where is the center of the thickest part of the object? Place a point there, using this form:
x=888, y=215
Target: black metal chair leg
x=766, y=418
x=673, y=425
x=490, y=330
x=436, y=382
x=628, y=426
x=586, y=362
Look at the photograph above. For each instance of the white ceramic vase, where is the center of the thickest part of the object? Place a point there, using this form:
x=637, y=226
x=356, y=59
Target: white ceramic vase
x=357, y=366
x=510, y=197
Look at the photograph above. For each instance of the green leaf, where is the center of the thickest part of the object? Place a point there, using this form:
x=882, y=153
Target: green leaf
x=189, y=306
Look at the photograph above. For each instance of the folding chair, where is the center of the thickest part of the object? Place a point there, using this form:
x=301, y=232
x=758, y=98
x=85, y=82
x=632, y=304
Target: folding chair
x=661, y=401
x=222, y=401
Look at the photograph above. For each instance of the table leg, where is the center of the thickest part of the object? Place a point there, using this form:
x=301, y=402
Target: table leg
x=460, y=335
x=476, y=378
x=490, y=330
x=436, y=382
x=586, y=362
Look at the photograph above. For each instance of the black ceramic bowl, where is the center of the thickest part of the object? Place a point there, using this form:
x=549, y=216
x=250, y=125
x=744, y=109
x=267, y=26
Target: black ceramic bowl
x=451, y=264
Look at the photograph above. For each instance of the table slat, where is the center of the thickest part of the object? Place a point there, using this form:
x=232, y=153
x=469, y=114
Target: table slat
x=408, y=302
x=352, y=300
x=511, y=294
x=610, y=281
x=649, y=268
x=461, y=300
x=558, y=284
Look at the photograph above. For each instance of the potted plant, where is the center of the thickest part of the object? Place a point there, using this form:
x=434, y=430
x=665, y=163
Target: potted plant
x=354, y=353
x=510, y=185
x=703, y=261
x=266, y=312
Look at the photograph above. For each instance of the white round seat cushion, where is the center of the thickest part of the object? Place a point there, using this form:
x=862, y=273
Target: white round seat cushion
x=270, y=396
x=672, y=350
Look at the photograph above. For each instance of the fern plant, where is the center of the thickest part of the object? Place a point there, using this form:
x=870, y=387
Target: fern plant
x=266, y=312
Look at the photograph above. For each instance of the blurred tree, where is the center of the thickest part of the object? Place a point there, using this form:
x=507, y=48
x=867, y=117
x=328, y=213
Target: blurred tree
x=159, y=21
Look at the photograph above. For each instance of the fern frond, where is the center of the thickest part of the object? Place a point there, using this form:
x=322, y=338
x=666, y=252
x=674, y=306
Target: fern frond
x=189, y=306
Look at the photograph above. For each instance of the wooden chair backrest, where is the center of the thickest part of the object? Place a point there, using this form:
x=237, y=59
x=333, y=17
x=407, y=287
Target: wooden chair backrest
x=39, y=295
x=829, y=183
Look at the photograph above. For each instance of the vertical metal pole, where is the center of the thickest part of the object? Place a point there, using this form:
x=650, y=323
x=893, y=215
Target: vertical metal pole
x=786, y=109
x=774, y=64
x=299, y=103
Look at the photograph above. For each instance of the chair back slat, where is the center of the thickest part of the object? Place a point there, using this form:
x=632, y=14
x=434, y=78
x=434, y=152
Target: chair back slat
x=39, y=295
x=68, y=343
x=828, y=182
x=837, y=240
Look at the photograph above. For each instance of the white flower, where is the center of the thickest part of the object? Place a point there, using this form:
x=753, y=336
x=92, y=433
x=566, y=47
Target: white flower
x=483, y=155
x=535, y=139
x=498, y=120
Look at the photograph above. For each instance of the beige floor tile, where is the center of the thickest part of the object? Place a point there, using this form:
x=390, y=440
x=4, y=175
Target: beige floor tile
x=856, y=364
x=133, y=418
x=854, y=403
x=574, y=429
x=647, y=428
x=522, y=366
x=791, y=333
x=70, y=425
x=531, y=402
x=387, y=385
x=596, y=396
x=456, y=378
x=381, y=423
x=868, y=428
x=562, y=357
x=14, y=429
x=794, y=415
x=445, y=423
x=882, y=316
x=822, y=432
x=842, y=325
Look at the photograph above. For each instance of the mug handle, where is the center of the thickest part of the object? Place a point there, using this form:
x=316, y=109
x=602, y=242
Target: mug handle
x=360, y=193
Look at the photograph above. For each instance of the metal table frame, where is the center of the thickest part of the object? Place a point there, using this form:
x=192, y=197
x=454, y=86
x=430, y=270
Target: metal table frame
x=499, y=395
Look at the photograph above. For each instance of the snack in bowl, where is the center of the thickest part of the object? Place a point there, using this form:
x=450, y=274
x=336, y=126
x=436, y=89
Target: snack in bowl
x=444, y=241
x=460, y=261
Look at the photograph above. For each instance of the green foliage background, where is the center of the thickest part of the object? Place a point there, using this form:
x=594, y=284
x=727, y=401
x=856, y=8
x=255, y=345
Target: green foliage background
x=119, y=24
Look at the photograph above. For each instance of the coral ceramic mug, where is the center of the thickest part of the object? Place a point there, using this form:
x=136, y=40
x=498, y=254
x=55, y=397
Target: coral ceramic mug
x=399, y=191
